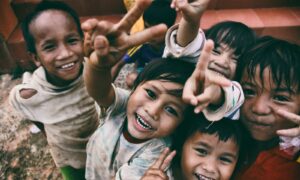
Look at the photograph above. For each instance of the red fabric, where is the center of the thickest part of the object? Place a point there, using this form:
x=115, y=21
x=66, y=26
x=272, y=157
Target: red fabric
x=272, y=164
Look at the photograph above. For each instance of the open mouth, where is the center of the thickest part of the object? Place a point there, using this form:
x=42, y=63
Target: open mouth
x=142, y=123
x=201, y=177
x=219, y=72
x=68, y=66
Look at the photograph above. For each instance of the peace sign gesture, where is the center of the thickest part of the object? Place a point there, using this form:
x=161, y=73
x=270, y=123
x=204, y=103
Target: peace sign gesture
x=157, y=170
x=108, y=41
x=204, y=86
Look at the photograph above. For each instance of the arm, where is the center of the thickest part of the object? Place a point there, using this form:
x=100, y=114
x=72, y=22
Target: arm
x=109, y=43
x=190, y=21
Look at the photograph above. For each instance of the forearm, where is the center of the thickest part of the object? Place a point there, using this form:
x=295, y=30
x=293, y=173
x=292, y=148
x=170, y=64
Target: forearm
x=98, y=83
x=187, y=32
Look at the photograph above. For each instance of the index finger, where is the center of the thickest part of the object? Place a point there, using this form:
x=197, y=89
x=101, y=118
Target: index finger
x=158, y=163
x=205, y=54
x=289, y=116
x=133, y=14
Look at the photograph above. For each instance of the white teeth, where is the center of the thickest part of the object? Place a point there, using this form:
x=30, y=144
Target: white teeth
x=68, y=65
x=142, y=123
x=201, y=177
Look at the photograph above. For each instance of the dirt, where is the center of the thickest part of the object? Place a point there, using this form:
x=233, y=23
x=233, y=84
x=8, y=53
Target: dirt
x=24, y=153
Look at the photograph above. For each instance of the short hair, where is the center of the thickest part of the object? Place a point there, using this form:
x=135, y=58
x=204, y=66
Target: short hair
x=224, y=129
x=166, y=69
x=282, y=57
x=236, y=35
x=160, y=12
x=40, y=8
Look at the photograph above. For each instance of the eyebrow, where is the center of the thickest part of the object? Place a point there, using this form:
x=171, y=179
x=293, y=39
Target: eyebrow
x=285, y=89
x=172, y=92
x=209, y=147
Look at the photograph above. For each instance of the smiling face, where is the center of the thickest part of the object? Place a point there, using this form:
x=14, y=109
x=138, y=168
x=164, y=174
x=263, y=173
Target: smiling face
x=58, y=46
x=223, y=61
x=205, y=157
x=153, y=111
x=261, y=102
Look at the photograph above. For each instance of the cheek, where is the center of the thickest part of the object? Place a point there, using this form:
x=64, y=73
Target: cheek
x=188, y=161
x=227, y=171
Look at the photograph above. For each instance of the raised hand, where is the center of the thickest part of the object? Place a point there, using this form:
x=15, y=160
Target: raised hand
x=292, y=132
x=110, y=41
x=190, y=11
x=157, y=170
x=204, y=86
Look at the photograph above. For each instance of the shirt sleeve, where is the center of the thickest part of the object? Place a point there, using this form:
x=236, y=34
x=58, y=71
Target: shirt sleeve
x=234, y=98
x=139, y=164
x=189, y=53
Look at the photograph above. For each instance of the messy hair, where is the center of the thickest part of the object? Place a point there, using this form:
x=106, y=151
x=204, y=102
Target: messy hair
x=235, y=35
x=282, y=57
x=41, y=7
x=166, y=69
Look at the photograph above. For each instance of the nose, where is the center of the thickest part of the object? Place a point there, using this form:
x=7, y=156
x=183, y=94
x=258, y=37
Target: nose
x=210, y=165
x=261, y=105
x=64, y=52
x=153, y=109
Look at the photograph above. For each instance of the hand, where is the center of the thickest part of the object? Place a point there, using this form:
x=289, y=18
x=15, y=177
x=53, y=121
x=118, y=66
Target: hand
x=110, y=41
x=157, y=170
x=292, y=132
x=191, y=12
x=204, y=86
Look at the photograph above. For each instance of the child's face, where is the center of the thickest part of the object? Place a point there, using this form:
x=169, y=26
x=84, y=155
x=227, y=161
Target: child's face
x=152, y=111
x=223, y=60
x=58, y=46
x=261, y=102
x=204, y=156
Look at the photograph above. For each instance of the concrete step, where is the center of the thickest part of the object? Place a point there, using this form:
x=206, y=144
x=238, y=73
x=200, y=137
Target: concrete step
x=83, y=8
x=283, y=23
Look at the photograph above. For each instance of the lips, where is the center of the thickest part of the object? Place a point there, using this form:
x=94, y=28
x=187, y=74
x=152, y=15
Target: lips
x=219, y=71
x=142, y=123
x=202, y=177
x=68, y=66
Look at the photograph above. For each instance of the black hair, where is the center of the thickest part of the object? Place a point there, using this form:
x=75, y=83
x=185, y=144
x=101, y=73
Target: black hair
x=282, y=57
x=160, y=12
x=166, y=69
x=224, y=129
x=41, y=7
x=236, y=35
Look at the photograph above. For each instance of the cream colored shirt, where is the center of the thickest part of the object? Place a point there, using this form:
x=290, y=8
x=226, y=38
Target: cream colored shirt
x=68, y=114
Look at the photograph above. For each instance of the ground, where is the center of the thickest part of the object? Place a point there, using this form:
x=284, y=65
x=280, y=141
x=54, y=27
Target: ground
x=24, y=153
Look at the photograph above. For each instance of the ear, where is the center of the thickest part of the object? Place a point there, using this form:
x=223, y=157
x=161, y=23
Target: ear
x=35, y=59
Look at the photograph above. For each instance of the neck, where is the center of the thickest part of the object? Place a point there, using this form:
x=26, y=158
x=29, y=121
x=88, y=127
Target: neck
x=129, y=137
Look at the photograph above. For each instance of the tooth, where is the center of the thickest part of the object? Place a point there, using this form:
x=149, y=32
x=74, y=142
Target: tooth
x=67, y=65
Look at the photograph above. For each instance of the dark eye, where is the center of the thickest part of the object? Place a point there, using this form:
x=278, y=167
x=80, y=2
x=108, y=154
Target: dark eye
x=150, y=93
x=216, y=52
x=235, y=59
x=171, y=110
x=73, y=40
x=281, y=98
x=201, y=151
x=226, y=160
x=248, y=92
x=48, y=47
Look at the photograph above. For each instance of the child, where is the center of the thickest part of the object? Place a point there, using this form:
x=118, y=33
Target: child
x=55, y=95
x=137, y=125
x=208, y=151
x=158, y=12
x=231, y=40
x=269, y=74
